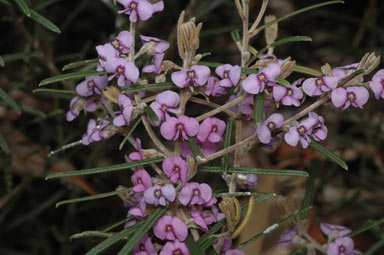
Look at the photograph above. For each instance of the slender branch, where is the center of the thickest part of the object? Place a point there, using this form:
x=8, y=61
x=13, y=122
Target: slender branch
x=210, y=104
x=132, y=29
x=259, y=16
x=239, y=127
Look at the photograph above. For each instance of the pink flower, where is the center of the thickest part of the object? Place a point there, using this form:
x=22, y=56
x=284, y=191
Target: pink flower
x=211, y=129
x=166, y=102
x=255, y=83
x=245, y=106
x=286, y=237
x=159, y=195
x=213, y=88
x=229, y=74
x=319, y=131
x=195, y=193
x=96, y=132
x=170, y=228
x=123, y=42
x=145, y=247
x=340, y=231
x=159, y=46
x=136, y=156
x=207, y=148
x=92, y=85
x=173, y=127
x=155, y=68
x=317, y=86
x=288, y=95
x=343, y=71
x=264, y=130
x=301, y=133
x=175, y=168
x=341, y=246
x=122, y=69
x=175, y=248
x=196, y=76
x=355, y=96
x=105, y=52
x=78, y=104
x=136, y=7
x=138, y=212
x=377, y=84
x=123, y=117
x=141, y=180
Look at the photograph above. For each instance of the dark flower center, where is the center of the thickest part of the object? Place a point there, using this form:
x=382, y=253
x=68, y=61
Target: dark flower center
x=139, y=181
x=196, y=192
x=142, y=247
x=177, y=252
x=168, y=228
x=319, y=82
x=115, y=43
x=133, y=5
x=120, y=69
x=158, y=193
x=351, y=96
x=164, y=108
x=226, y=74
x=214, y=129
x=289, y=92
x=191, y=74
x=302, y=130
x=271, y=125
x=180, y=127
x=177, y=169
x=262, y=77
x=341, y=248
x=91, y=84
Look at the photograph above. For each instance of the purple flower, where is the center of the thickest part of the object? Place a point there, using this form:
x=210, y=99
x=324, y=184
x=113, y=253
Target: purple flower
x=170, y=228
x=157, y=195
x=175, y=168
x=105, y=52
x=166, y=101
x=136, y=7
x=158, y=45
x=264, y=131
x=319, y=131
x=92, y=85
x=207, y=148
x=123, y=42
x=341, y=246
x=156, y=64
x=234, y=252
x=141, y=180
x=95, y=132
x=286, y=237
x=145, y=247
x=342, y=71
x=229, y=74
x=173, y=127
x=300, y=133
x=377, y=84
x=175, y=248
x=288, y=95
x=136, y=156
x=317, y=86
x=137, y=212
x=245, y=106
x=205, y=218
x=195, y=193
x=211, y=129
x=124, y=116
x=196, y=76
x=339, y=230
x=122, y=69
x=255, y=83
x=213, y=88
x=77, y=104
x=355, y=96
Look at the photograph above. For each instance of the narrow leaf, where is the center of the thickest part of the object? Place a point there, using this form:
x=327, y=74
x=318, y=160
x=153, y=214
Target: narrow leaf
x=64, y=147
x=301, y=251
x=227, y=143
x=243, y=194
x=307, y=70
x=23, y=7
x=259, y=171
x=375, y=247
x=130, y=133
x=70, y=76
x=308, y=197
x=44, y=22
x=31, y=110
x=9, y=100
x=156, y=86
x=258, y=112
x=105, y=169
x=146, y=226
x=94, y=197
x=151, y=114
x=3, y=144
x=2, y=62
x=195, y=149
x=328, y=154
x=116, y=224
x=236, y=35
x=366, y=227
x=79, y=63
x=283, y=82
x=57, y=91
x=193, y=246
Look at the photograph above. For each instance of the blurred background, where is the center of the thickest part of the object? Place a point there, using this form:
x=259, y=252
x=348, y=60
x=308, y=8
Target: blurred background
x=29, y=221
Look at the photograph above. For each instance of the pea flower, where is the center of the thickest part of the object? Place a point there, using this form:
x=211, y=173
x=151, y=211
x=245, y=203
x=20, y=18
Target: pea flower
x=377, y=84
x=301, y=133
x=137, y=156
x=213, y=88
x=264, y=130
x=176, y=169
x=170, y=228
x=342, y=246
x=343, y=71
x=245, y=106
x=122, y=69
x=141, y=180
x=211, y=129
x=166, y=101
x=227, y=248
x=355, y=96
x=317, y=86
x=204, y=218
x=134, y=8
x=207, y=148
x=139, y=213
x=175, y=248
x=338, y=230
x=92, y=85
x=287, y=237
x=288, y=95
x=145, y=247
x=77, y=104
x=105, y=52
x=96, y=132
x=319, y=130
x=159, y=195
x=195, y=193
x=182, y=126
x=155, y=67
x=255, y=83
x=155, y=45
x=124, y=116
x=196, y=76
x=229, y=74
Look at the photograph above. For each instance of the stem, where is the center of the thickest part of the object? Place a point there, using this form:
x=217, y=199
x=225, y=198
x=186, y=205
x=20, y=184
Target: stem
x=210, y=104
x=239, y=127
x=259, y=16
x=132, y=29
x=245, y=19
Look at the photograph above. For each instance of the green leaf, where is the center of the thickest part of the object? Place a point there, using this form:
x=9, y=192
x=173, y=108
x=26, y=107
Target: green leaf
x=366, y=227
x=129, y=133
x=150, y=87
x=146, y=226
x=375, y=247
x=195, y=149
x=2, y=62
x=94, y=197
x=79, y=63
x=70, y=76
x=328, y=154
x=258, y=113
x=9, y=100
x=44, y=22
x=193, y=246
x=227, y=143
x=308, y=197
x=259, y=171
x=56, y=91
x=116, y=224
x=3, y=144
x=105, y=169
x=301, y=251
x=307, y=70
x=31, y=110
x=283, y=82
x=5, y=2
x=243, y=194
x=236, y=35
x=23, y=7
x=151, y=114
x=64, y=147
